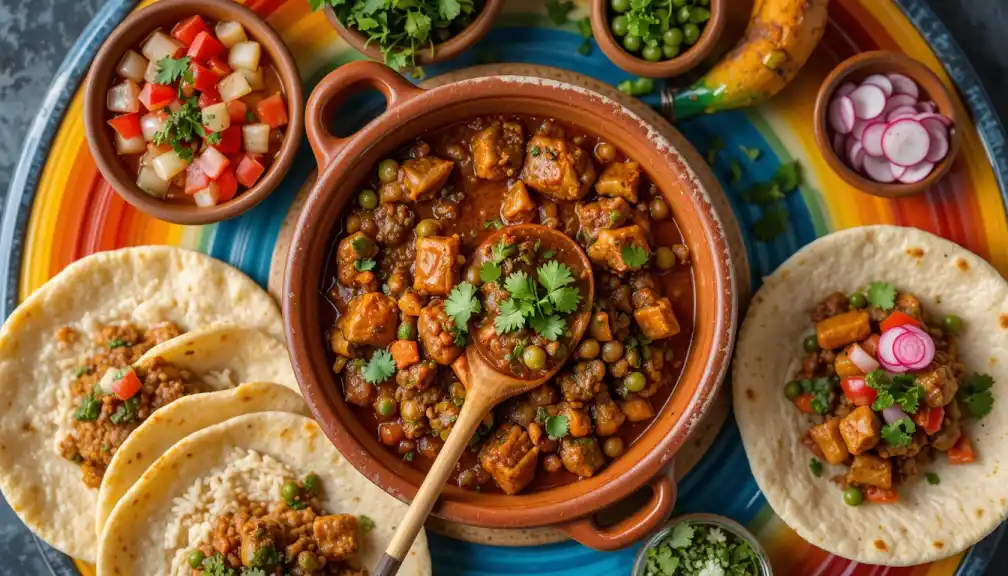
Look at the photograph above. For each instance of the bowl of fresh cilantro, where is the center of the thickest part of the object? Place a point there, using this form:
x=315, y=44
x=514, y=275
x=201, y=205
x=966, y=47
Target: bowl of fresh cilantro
x=406, y=35
x=702, y=545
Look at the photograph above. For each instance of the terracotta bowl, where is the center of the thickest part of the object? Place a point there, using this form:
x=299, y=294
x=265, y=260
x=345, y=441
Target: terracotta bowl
x=446, y=50
x=129, y=34
x=684, y=62
x=345, y=162
x=860, y=67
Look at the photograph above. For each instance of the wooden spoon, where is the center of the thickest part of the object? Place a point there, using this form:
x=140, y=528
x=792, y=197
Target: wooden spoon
x=486, y=386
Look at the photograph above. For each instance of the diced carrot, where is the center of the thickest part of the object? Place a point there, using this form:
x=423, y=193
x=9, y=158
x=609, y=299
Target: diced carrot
x=880, y=495
x=248, y=171
x=187, y=30
x=205, y=47
x=961, y=452
x=127, y=125
x=870, y=344
x=843, y=329
x=405, y=353
x=228, y=185
x=272, y=111
x=237, y=110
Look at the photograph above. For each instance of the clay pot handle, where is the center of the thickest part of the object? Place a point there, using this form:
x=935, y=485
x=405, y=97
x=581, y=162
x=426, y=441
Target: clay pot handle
x=336, y=87
x=631, y=529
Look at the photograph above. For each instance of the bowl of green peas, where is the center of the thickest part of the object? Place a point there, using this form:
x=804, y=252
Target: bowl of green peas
x=658, y=38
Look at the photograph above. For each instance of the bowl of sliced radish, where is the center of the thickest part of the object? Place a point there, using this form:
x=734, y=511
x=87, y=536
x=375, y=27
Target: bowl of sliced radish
x=193, y=110
x=886, y=124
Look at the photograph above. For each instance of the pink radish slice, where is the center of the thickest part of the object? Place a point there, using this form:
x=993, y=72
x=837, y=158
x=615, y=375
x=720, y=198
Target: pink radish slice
x=916, y=173
x=898, y=101
x=879, y=170
x=939, y=146
x=859, y=127
x=841, y=115
x=906, y=142
x=839, y=143
x=869, y=101
x=885, y=352
x=881, y=81
x=844, y=89
x=927, y=106
x=872, y=139
x=856, y=156
x=914, y=349
x=904, y=85
x=926, y=117
x=902, y=112
x=897, y=171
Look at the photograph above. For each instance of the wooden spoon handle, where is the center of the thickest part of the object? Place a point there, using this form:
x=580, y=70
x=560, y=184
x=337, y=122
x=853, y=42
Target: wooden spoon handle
x=476, y=407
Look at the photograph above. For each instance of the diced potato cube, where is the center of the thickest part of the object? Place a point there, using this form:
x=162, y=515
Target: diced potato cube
x=254, y=78
x=497, y=150
x=421, y=176
x=608, y=249
x=160, y=45
x=371, y=319
x=244, y=56
x=255, y=138
x=216, y=117
x=517, y=206
x=230, y=33
x=510, y=457
x=578, y=421
x=843, y=329
x=861, y=430
x=169, y=165
x=132, y=66
x=234, y=86
x=557, y=168
x=637, y=408
x=134, y=145
x=831, y=443
x=208, y=196
x=435, y=271
x=151, y=183
x=658, y=320
x=870, y=470
x=620, y=180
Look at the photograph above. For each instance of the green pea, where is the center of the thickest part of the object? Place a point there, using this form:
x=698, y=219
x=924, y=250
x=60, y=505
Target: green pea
x=952, y=323
x=534, y=357
x=684, y=14
x=386, y=406
x=196, y=559
x=652, y=53
x=406, y=331
x=858, y=300
x=388, y=170
x=700, y=15
x=670, y=52
x=793, y=389
x=651, y=42
x=665, y=258
x=678, y=3
x=619, y=26
x=811, y=343
x=634, y=381
x=632, y=43
x=691, y=33
x=703, y=2
x=289, y=491
x=367, y=199
x=620, y=6
x=852, y=497
x=674, y=37
x=427, y=227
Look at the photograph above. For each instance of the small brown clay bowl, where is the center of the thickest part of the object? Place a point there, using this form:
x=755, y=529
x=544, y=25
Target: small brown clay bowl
x=346, y=162
x=131, y=33
x=685, y=61
x=446, y=50
x=860, y=67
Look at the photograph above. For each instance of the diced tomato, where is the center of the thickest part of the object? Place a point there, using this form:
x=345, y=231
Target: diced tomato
x=205, y=47
x=880, y=495
x=196, y=179
x=870, y=344
x=219, y=67
x=898, y=318
x=857, y=390
x=231, y=140
x=237, y=110
x=405, y=353
x=203, y=78
x=156, y=96
x=248, y=171
x=127, y=125
x=930, y=419
x=804, y=403
x=272, y=111
x=187, y=30
x=962, y=452
x=209, y=98
x=228, y=185
x=213, y=162
x=127, y=386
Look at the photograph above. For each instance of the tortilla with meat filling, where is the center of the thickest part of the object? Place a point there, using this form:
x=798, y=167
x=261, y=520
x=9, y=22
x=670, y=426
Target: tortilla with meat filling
x=254, y=492
x=928, y=522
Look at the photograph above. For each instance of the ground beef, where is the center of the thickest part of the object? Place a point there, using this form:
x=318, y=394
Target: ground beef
x=394, y=222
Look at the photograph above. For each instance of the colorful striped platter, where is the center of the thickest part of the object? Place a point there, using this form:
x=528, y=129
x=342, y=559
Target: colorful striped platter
x=59, y=209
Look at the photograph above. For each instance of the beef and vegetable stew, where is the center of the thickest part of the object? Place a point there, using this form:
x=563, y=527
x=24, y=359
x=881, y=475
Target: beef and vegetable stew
x=409, y=288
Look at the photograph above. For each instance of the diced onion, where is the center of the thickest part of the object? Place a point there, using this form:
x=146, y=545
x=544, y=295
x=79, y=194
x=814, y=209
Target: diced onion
x=208, y=196
x=160, y=45
x=105, y=384
x=132, y=66
x=150, y=74
x=886, y=356
x=893, y=414
x=169, y=165
x=233, y=87
x=254, y=78
x=151, y=183
x=244, y=55
x=230, y=33
x=123, y=97
x=150, y=124
x=255, y=137
x=212, y=162
x=216, y=118
x=864, y=362
x=124, y=146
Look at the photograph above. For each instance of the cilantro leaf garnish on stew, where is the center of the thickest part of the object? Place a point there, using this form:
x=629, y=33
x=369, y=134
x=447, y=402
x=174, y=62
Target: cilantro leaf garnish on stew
x=882, y=295
x=557, y=426
x=634, y=256
x=899, y=389
x=461, y=305
x=975, y=397
x=380, y=368
x=538, y=302
x=899, y=433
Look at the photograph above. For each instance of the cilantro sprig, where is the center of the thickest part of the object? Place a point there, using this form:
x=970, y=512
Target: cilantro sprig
x=975, y=397
x=539, y=302
x=899, y=433
x=557, y=426
x=815, y=466
x=380, y=367
x=882, y=295
x=822, y=390
x=694, y=548
x=461, y=304
x=899, y=389
x=181, y=128
x=171, y=70
x=634, y=256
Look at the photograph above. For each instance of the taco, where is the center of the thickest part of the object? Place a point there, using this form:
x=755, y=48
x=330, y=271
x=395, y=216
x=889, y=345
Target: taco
x=262, y=493
x=177, y=420
x=871, y=392
x=67, y=393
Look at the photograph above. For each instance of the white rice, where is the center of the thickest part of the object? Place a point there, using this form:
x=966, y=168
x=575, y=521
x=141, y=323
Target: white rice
x=194, y=515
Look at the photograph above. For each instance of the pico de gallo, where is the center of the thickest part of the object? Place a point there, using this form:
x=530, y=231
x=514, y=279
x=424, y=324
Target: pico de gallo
x=888, y=392
x=198, y=113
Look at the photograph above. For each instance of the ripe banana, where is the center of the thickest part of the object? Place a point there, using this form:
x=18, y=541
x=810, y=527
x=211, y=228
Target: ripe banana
x=779, y=39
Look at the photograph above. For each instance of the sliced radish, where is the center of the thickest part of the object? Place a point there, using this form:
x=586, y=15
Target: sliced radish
x=838, y=143
x=927, y=117
x=898, y=101
x=881, y=81
x=856, y=155
x=841, y=115
x=869, y=101
x=902, y=112
x=939, y=146
x=927, y=106
x=906, y=142
x=844, y=89
x=897, y=171
x=917, y=173
x=878, y=169
x=904, y=85
x=872, y=139
x=859, y=127
x=914, y=349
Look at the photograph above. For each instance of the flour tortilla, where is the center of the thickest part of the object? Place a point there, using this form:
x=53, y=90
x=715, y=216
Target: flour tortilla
x=143, y=285
x=929, y=522
x=133, y=539
x=176, y=421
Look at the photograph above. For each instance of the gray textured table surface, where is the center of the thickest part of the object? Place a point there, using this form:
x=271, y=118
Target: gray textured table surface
x=36, y=34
